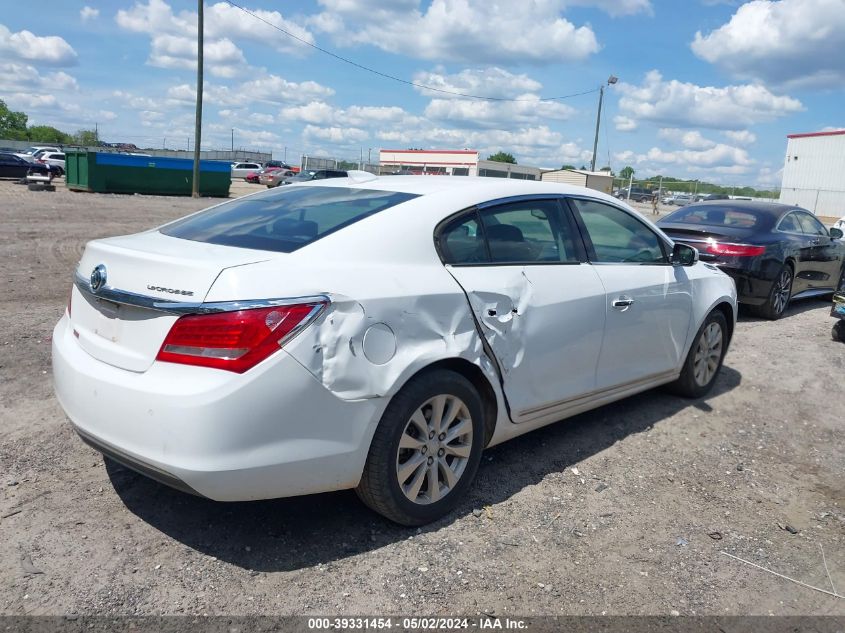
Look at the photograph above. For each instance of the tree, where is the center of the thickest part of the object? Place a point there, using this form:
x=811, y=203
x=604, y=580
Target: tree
x=87, y=138
x=12, y=124
x=48, y=134
x=567, y=166
x=502, y=157
x=626, y=172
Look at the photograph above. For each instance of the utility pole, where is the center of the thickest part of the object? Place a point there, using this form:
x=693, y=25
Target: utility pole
x=233, y=140
x=195, y=192
x=630, y=184
x=610, y=81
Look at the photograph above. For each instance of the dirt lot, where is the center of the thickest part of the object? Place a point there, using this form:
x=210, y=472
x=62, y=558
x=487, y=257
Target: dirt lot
x=623, y=510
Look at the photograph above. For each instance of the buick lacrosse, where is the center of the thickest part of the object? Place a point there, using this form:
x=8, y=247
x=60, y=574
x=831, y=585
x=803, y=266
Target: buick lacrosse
x=376, y=334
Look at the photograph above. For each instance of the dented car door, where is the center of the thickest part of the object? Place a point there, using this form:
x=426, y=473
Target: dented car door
x=539, y=306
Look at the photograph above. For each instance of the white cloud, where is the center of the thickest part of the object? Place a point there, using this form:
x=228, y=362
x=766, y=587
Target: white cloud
x=741, y=137
x=718, y=158
x=221, y=57
x=223, y=22
x=17, y=76
x=624, y=123
x=135, y=101
x=24, y=45
x=689, y=139
x=497, y=113
x=788, y=42
x=271, y=89
x=89, y=13
x=689, y=105
x=483, y=31
x=616, y=8
x=336, y=135
x=487, y=82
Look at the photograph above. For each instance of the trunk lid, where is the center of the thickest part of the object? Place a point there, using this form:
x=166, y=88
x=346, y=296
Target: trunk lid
x=152, y=265
x=697, y=235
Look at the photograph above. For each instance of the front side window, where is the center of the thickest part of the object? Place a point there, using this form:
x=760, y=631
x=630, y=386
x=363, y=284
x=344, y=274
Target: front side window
x=284, y=219
x=618, y=237
x=810, y=225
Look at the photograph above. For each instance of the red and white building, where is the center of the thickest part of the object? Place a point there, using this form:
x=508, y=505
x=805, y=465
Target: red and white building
x=814, y=172
x=450, y=162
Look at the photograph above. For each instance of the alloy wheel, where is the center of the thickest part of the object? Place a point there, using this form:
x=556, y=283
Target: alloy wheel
x=708, y=354
x=782, y=291
x=434, y=449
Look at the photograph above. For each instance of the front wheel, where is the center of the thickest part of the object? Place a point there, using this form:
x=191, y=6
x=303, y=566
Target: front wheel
x=704, y=359
x=426, y=449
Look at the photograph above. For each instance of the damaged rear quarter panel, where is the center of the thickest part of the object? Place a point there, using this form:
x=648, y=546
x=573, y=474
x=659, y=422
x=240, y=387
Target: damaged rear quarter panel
x=429, y=318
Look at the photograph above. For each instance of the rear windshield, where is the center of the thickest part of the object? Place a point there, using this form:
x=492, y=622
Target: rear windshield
x=712, y=215
x=283, y=220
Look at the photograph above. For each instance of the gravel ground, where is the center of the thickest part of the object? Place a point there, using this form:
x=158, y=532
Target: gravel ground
x=624, y=510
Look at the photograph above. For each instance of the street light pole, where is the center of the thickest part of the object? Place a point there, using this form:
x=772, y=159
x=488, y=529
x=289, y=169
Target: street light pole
x=610, y=81
x=195, y=190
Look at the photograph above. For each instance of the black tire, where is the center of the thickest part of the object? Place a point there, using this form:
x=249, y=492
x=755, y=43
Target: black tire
x=687, y=384
x=779, y=296
x=838, y=332
x=380, y=487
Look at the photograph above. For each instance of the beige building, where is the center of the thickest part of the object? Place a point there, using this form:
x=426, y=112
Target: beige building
x=450, y=162
x=598, y=180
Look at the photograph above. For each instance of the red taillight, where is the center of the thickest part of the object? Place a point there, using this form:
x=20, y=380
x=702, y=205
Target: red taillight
x=235, y=341
x=734, y=250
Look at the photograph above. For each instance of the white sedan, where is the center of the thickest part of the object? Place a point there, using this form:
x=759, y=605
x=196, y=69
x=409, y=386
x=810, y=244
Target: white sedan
x=376, y=334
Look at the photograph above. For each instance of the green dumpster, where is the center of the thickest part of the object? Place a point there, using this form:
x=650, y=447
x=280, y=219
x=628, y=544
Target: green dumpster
x=103, y=172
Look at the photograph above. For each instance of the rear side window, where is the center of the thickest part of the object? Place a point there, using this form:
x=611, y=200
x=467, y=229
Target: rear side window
x=716, y=216
x=811, y=225
x=529, y=232
x=284, y=220
x=790, y=224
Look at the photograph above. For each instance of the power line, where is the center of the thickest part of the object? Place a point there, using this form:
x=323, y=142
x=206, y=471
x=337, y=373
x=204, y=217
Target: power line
x=399, y=79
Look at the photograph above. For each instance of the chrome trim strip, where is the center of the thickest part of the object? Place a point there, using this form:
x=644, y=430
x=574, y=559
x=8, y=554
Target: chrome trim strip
x=598, y=393
x=124, y=297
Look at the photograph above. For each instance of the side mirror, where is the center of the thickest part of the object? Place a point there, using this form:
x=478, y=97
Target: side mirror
x=683, y=255
x=836, y=234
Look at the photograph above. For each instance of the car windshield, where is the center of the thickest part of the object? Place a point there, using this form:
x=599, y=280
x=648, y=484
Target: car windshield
x=284, y=220
x=715, y=215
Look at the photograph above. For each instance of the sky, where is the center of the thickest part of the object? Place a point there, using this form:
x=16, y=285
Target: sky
x=707, y=89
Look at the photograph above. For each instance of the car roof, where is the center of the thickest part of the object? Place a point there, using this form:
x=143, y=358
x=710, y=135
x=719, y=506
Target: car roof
x=470, y=186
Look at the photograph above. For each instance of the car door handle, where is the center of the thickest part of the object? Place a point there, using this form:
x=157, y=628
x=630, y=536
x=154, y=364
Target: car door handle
x=622, y=303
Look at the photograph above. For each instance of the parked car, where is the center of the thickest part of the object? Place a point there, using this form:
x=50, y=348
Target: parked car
x=840, y=224
x=774, y=252
x=56, y=159
x=681, y=199
x=30, y=152
x=274, y=177
x=638, y=194
x=43, y=172
x=270, y=346
x=13, y=166
x=314, y=174
x=704, y=197
x=277, y=164
x=253, y=176
x=241, y=170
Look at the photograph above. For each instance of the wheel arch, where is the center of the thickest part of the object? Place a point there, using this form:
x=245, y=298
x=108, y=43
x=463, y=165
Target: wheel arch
x=730, y=316
x=479, y=380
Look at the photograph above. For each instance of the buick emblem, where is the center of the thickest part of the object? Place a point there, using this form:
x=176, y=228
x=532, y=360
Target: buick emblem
x=98, y=278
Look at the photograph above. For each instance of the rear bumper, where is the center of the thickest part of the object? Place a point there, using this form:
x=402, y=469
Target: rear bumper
x=274, y=431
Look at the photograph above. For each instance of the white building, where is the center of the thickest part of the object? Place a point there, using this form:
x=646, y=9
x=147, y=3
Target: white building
x=598, y=180
x=814, y=172
x=450, y=162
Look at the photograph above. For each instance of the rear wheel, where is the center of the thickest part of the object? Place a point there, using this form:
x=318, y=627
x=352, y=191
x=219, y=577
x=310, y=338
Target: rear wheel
x=426, y=449
x=779, y=295
x=704, y=359
x=838, y=332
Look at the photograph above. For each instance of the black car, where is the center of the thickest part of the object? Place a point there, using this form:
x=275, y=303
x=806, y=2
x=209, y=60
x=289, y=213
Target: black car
x=314, y=174
x=774, y=252
x=638, y=194
x=12, y=166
